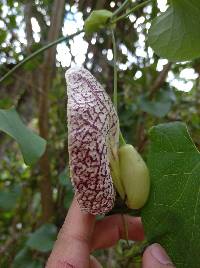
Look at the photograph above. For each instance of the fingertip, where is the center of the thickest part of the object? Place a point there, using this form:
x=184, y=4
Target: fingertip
x=71, y=248
x=156, y=257
x=77, y=223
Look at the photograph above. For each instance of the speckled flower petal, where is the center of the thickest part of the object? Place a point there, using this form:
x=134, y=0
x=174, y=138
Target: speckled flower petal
x=93, y=129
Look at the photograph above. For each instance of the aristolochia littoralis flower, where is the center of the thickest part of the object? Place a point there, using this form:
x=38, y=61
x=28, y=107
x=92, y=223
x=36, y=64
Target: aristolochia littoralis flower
x=93, y=134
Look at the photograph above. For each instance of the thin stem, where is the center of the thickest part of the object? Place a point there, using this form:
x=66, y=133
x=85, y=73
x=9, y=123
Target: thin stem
x=131, y=11
x=119, y=9
x=125, y=229
x=64, y=38
x=115, y=69
x=121, y=139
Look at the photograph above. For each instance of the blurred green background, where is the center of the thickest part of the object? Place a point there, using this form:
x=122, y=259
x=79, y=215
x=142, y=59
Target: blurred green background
x=34, y=200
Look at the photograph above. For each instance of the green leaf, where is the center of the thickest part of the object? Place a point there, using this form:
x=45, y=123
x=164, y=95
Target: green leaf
x=97, y=20
x=158, y=109
x=160, y=106
x=5, y=103
x=32, y=146
x=10, y=3
x=23, y=259
x=65, y=181
x=175, y=34
x=12, y=19
x=43, y=238
x=68, y=198
x=3, y=35
x=171, y=216
x=9, y=197
x=64, y=178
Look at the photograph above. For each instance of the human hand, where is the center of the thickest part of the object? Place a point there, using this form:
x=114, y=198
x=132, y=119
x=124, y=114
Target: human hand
x=80, y=235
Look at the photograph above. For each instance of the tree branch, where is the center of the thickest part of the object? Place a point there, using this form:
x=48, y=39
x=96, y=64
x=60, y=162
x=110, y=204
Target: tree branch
x=160, y=80
x=28, y=25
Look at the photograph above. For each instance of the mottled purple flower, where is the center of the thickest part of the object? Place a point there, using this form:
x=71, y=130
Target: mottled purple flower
x=93, y=129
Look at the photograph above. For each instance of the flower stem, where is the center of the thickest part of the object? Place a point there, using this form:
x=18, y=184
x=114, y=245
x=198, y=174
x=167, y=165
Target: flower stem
x=64, y=38
x=125, y=229
x=131, y=11
x=121, y=139
x=119, y=9
x=115, y=69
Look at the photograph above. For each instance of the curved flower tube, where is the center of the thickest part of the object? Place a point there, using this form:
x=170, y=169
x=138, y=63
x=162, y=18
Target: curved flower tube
x=93, y=136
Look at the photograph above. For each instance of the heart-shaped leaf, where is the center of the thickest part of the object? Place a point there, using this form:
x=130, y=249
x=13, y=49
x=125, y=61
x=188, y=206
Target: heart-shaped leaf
x=31, y=145
x=43, y=238
x=175, y=34
x=171, y=216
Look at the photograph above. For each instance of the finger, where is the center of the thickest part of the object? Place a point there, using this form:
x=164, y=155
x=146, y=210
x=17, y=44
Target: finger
x=78, y=224
x=109, y=230
x=94, y=263
x=73, y=241
x=156, y=257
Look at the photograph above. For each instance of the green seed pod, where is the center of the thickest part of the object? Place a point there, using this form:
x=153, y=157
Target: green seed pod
x=134, y=175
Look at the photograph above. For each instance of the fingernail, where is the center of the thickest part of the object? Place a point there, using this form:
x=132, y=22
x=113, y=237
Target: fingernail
x=160, y=255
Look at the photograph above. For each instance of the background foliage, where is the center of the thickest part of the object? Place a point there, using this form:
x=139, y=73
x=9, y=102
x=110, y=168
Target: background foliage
x=34, y=200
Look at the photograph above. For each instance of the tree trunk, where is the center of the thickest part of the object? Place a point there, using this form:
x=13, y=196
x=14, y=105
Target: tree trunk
x=28, y=26
x=45, y=81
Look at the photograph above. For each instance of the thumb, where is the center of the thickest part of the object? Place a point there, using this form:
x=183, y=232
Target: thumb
x=156, y=257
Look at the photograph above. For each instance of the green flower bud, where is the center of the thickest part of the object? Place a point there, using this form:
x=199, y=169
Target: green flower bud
x=97, y=20
x=134, y=176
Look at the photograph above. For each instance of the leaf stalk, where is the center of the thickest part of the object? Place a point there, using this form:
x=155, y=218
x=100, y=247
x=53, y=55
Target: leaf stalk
x=131, y=11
